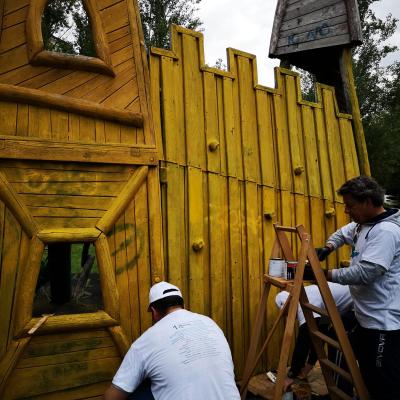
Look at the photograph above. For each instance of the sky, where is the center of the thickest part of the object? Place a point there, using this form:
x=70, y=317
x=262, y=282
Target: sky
x=247, y=26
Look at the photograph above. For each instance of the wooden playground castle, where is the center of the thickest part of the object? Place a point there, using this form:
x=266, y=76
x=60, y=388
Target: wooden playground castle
x=171, y=169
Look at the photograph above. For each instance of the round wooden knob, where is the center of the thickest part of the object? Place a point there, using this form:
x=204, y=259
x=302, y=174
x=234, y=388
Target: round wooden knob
x=198, y=245
x=213, y=145
x=330, y=212
x=298, y=170
x=269, y=215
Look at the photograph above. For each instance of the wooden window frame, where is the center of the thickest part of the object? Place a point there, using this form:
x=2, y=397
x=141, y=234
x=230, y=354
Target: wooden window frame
x=39, y=56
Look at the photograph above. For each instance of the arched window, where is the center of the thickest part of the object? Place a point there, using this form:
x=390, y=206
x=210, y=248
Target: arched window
x=67, y=34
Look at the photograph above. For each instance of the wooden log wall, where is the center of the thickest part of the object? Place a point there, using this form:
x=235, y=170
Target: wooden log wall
x=238, y=156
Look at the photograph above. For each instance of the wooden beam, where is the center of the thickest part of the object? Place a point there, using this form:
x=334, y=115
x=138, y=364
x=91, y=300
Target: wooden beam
x=68, y=235
x=12, y=200
x=119, y=205
x=25, y=148
x=19, y=94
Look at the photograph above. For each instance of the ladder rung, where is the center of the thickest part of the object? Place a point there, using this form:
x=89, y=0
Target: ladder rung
x=334, y=367
x=315, y=309
x=285, y=228
x=326, y=339
x=339, y=393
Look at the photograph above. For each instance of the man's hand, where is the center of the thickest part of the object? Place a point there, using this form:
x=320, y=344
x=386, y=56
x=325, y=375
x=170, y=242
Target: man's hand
x=323, y=252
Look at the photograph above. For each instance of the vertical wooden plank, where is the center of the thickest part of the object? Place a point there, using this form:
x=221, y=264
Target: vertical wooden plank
x=266, y=138
x=294, y=134
x=311, y=152
x=87, y=130
x=221, y=124
x=213, y=144
x=173, y=111
x=282, y=141
x=217, y=229
x=253, y=235
x=131, y=135
x=235, y=262
x=122, y=277
x=8, y=118
x=142, y=249
x=196, y=240
x=155, y=95
x=342, y=219
x=193, y=100
x=155, y=226
x=333, y=142
x=22, y=120
x=323, y=155
x=39, y=122
x=59, y=125
x=100, y=131
x=74, y=128
x=9, y=264
x=176, y=210
x=330, y=227
x=349, y=149
x=231, y=153
x=133, y=252
x=112, y=132
x=237, y=123
x=248, y=121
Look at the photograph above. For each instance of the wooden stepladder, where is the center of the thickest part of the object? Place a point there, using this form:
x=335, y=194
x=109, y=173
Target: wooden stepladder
x=298, y=297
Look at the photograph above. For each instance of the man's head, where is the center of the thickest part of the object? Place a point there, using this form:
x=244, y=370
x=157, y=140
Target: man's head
x=363, y=198
x=164, y=298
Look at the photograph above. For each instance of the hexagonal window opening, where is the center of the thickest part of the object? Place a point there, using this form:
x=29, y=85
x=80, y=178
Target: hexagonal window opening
x=68, y=280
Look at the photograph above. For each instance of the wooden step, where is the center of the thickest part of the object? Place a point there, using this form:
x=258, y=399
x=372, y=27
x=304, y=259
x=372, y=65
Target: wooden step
x=334, y=367
x=315, y=309
x=327, y=339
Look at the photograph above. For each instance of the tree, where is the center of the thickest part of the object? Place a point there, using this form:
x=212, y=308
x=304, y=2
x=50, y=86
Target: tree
x=378, y=89
x=158, y=15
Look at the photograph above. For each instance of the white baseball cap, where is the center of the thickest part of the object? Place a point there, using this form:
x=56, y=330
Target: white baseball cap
x=161, y=290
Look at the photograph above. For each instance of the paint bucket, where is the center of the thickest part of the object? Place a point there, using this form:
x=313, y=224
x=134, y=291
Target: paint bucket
x=276, y=267
x=291, y=269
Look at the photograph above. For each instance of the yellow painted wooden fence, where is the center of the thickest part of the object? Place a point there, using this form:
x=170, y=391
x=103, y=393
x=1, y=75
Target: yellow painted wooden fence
x=237, y=157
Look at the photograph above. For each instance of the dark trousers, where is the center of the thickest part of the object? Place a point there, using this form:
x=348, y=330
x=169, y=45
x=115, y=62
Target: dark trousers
x=378, y=354
x=143, y=392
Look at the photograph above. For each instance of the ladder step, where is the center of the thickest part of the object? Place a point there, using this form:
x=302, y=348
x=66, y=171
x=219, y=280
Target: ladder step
x=315, y=309
x=339, y=393
x=326, y=339
x=334, y=367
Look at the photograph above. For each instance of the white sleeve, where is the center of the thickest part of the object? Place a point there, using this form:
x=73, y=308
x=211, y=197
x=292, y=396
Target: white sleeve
x=343, y=235
x=130, y=373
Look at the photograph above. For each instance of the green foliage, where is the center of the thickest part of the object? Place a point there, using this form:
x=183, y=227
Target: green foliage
x=158, y=15
x=378, y=89
x=66, y=28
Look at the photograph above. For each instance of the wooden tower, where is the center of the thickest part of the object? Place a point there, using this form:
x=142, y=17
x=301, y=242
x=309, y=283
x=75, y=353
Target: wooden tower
x=78, y=164
x=317, y=36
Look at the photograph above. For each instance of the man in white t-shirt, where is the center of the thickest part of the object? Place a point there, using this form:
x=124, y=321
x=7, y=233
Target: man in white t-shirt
x=374, y=280
x=185, y=355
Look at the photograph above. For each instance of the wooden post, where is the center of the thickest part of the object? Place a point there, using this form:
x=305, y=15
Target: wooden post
x=346, y=71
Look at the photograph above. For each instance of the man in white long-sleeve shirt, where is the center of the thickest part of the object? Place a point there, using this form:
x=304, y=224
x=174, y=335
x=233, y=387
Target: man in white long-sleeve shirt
x=374, y=279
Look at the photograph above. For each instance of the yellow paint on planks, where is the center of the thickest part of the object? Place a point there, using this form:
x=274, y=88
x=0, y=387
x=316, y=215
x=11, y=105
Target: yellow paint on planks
x=231, y=153
x=39, y=122
x=8, y=118
x=333, y=142
x=143, y=254
x=235, y=267
x=294, y=134
x=218, y=224
x=266, y=138
x=59, y=125
x=213, y=145
x=22, y=119
x=248, y=121
x=8, y=271
x=193, y=101
x=175, y=233
x=47, y=379
x=114, y=17
x=195, y=238
x=349, y=149
x=311, y=152
x=342, y=219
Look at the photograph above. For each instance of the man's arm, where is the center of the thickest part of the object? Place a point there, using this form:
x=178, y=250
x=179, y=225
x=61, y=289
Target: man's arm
x=113, y=393
x=362, y=273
